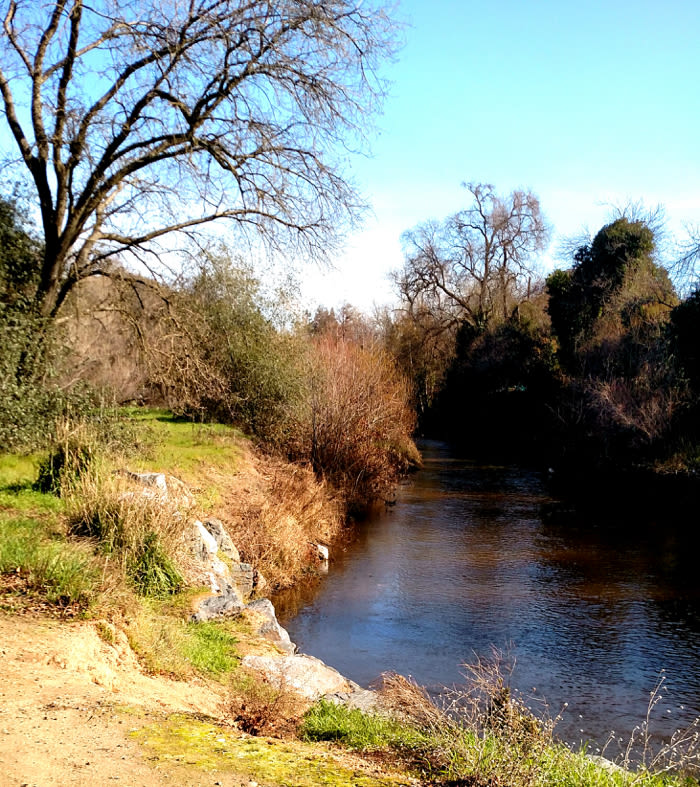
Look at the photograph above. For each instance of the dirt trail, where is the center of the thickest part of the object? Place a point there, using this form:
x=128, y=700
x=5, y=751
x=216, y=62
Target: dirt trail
x=63, y=691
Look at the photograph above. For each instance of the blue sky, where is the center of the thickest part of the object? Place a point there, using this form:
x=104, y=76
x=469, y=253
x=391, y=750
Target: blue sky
x=586, y=103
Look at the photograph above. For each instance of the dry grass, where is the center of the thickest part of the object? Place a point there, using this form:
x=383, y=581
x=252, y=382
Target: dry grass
x=481, y=733
x=139, y=531
x=644, y=753
x=404, y=699
x=275, y=512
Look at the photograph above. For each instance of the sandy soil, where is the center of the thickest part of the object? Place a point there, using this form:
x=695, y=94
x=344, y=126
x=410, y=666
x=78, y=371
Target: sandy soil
x=63, y=694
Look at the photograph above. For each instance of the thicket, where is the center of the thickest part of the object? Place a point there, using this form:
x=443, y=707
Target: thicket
x=356, y=425
x=321, y=392
x=32, y=396
x=595, y=366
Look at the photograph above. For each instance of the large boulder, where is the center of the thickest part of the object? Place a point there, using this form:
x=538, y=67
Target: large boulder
x=225, y=605
x=303, y=674
x=366, y=700
x=211, y=568
x=162, y=487
x=242, y=577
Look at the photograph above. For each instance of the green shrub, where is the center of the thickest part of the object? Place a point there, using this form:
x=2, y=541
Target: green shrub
x=222, y=356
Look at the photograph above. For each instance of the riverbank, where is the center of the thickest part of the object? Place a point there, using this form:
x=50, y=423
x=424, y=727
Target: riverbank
x=101, y=571
x=111, y=679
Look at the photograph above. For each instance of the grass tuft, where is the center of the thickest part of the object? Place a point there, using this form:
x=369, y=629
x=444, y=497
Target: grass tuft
x=64, y=573
x=139, y=531
x=166, y=643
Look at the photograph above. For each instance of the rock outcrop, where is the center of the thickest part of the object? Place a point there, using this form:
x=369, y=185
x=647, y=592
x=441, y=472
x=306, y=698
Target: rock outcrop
x=219, y=607
x=223, y=540
x=217, y=563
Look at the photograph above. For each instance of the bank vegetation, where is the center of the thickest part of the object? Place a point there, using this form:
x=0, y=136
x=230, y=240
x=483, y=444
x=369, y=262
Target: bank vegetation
x=589, y=370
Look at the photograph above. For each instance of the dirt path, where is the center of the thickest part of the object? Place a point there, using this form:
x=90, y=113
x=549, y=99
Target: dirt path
x=64, y=695
x=72, y=707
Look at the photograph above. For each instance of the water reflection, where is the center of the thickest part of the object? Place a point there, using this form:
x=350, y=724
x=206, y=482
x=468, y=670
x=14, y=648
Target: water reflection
x=467, y=559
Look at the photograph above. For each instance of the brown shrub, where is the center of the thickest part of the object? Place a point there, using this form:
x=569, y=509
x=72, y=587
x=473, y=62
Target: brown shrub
x=356, y=430
x=259, y=708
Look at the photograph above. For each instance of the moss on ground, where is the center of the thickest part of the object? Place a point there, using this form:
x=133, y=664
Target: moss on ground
x=189, y=743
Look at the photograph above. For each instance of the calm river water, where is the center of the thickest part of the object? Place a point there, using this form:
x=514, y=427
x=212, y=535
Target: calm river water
x=591, y=610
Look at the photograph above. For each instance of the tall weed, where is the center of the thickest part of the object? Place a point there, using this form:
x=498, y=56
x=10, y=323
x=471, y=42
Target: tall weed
x=136, y=529
x=275, y=512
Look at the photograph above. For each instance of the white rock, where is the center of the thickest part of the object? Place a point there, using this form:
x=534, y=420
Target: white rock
x=322, y=552
x=303, y=674
x=207, y=542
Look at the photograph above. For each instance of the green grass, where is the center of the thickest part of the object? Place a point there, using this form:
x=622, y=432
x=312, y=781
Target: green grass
x=159, y=632
x=210, y=648
x=327, y=721
x=18, y=468
x=17, y=476
x=452, y=753
x=32, y=547
x=23, y=498
x=198, y=454
x=179, y=443
x=64, y=573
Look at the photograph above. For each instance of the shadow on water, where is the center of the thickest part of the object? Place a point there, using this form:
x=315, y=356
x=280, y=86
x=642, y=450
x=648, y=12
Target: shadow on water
x=475, y=556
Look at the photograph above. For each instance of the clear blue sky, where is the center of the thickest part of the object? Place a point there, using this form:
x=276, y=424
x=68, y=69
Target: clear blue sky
x=586, y=103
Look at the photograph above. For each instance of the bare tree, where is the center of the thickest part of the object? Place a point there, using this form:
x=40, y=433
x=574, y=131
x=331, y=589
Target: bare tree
x=477, y=264
x=139, y=118
x=686, y=267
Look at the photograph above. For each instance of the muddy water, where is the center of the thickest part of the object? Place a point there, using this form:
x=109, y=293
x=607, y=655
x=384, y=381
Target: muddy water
x=593, y=611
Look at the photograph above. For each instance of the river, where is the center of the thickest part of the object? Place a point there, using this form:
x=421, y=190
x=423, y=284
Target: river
x=593, y=612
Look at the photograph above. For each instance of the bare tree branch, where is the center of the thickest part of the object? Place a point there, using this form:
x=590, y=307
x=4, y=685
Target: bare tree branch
x=140, y=118
x=475, y=265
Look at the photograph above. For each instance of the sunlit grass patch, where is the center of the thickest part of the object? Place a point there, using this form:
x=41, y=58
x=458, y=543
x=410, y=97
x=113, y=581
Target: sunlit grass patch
x=167, y=643
x=64, y=573
x=17, y=493
x=22, y=497
x=18, y=469
x=328, y=721
x=199, y=454
x=184, y=446
x=201, y=747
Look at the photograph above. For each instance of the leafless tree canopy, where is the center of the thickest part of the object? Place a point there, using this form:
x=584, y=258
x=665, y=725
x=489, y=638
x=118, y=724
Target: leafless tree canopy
x=477, y=264
x=137, y=118
x=686, y=267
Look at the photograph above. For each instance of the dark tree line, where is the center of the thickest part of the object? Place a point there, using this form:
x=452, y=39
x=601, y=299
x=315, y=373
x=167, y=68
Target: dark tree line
x=596, y=365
